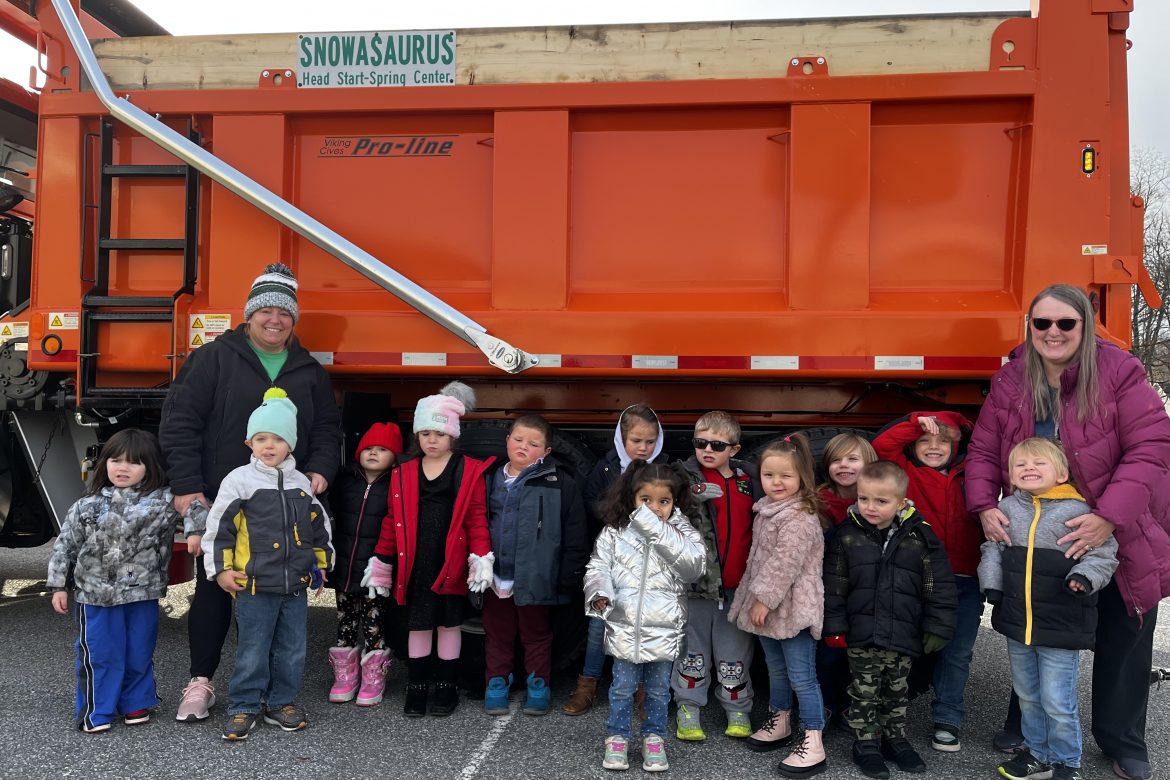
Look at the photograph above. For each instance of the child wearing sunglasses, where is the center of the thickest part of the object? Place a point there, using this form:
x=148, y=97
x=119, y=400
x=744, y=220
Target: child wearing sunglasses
x=931, y=448
x=718, y=653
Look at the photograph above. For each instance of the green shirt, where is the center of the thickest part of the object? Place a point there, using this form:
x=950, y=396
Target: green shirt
x=272, y=361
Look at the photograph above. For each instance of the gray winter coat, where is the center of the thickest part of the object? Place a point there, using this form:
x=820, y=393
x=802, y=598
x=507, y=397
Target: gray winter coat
x=1026, y=581
x=643, y=569
x=118, y=543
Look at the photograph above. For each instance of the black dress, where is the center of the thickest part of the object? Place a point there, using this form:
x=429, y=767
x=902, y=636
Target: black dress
x=436, y=503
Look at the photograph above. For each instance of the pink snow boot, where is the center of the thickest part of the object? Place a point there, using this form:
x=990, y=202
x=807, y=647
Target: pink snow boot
x=344, y=661
x=374, y=666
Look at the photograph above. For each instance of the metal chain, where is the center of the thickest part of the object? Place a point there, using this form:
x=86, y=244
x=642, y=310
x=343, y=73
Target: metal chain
x=36, y=477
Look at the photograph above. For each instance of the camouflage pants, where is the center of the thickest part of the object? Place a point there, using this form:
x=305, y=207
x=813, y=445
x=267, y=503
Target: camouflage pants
x=878, y=692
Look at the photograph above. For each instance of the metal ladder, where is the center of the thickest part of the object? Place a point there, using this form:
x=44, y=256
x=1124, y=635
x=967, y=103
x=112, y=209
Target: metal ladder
x=99, y=306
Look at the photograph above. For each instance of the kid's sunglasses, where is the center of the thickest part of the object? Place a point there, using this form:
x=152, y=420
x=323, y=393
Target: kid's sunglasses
x=1043, y=323
x=717, y=446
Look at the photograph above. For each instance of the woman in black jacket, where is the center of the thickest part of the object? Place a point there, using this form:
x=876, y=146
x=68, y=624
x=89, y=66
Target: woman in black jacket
x=202, y=432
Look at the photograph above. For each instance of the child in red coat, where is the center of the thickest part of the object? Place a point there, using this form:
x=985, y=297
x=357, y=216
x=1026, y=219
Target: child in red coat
x=931, y=447
x=436, y=531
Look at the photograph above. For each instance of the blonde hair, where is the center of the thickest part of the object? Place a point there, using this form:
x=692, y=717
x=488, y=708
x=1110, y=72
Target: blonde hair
x=1087, y=390
x=838, y=447
x=796, y=447
x=720, y=422
x=886, y=470
x=1040, y=447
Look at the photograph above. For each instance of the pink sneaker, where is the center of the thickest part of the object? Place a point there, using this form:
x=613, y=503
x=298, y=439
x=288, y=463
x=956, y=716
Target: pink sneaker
x=344, y=661
x=198, y=698
x=374, y=666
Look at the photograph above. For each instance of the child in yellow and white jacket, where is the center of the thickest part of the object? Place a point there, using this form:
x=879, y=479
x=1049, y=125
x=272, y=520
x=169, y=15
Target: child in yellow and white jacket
x=267, y=542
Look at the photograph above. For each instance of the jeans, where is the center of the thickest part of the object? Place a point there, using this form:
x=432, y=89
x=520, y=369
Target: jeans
x=270, y=650
x=1045, y=679
x=792, y=666
x=594, y=649
x=627, y=676
x=953, y=665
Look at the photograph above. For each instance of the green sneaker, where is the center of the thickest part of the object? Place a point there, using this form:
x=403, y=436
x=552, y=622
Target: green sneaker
x=739, y=725
x=687, y=720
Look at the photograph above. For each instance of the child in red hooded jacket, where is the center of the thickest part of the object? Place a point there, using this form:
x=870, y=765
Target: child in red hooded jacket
x=931, y=447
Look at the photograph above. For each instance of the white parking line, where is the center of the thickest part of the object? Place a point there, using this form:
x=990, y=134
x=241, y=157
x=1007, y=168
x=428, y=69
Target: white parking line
x=485, y=747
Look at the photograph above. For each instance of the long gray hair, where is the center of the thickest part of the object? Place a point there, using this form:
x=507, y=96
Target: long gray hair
x=1088, y=399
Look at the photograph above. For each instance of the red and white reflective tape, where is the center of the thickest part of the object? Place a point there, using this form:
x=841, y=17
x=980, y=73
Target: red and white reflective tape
x=652, y=363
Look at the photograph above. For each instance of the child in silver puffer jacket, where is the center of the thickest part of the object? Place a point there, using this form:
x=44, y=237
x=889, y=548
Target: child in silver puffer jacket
x=636, y=581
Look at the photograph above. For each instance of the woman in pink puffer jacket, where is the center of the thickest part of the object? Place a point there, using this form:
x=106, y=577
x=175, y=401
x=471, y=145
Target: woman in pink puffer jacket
x=1096, y=400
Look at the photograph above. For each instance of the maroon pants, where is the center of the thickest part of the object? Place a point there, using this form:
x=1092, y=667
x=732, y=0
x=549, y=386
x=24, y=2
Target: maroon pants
x=502, y=619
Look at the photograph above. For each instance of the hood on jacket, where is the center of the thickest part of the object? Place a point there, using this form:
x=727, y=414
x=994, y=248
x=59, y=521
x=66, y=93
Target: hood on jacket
x=950, y=419
x=619, y=441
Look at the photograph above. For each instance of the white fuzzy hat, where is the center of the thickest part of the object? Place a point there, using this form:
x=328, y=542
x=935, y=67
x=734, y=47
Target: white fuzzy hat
x=442, y=412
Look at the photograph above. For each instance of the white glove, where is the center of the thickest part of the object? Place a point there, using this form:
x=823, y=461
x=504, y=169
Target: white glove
x=479, y=572
x=378, y=578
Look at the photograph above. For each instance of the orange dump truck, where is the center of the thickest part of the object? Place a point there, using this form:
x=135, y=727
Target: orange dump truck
x=812, y=224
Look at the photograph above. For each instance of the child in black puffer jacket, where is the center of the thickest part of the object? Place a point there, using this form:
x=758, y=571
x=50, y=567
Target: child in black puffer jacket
x=359, y=499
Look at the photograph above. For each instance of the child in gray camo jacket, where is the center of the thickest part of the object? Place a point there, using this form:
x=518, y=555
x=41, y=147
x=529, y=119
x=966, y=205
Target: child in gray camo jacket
x=115, y=545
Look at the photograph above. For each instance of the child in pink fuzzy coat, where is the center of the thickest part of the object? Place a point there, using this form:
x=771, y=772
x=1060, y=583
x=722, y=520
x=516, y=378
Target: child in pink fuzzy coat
x=781, y=597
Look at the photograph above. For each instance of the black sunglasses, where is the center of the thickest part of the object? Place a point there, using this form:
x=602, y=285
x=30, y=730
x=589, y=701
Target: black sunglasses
x=1043, y=323
x=717, y=446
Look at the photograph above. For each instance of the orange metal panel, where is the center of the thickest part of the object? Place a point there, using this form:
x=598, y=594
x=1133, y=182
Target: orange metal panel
x=530, y=231
x=829, y=188
x=670, y=209
x=242, y=240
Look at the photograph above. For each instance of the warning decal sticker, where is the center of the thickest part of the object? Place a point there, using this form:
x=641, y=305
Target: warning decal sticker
x=63, y=320
x=203, y=328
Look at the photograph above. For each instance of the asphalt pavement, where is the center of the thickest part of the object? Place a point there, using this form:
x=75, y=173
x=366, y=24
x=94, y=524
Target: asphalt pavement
x=38, y=738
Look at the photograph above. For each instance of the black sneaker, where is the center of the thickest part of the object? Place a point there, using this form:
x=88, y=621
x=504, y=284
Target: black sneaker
x=901, y=752
x=867, y=754
x=290, y=717
x=946, y=738
x=239, y=726
x=1065, y=772
x=1025, y=766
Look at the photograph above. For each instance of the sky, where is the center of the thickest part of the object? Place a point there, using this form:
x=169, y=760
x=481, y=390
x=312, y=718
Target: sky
x=1149, y=60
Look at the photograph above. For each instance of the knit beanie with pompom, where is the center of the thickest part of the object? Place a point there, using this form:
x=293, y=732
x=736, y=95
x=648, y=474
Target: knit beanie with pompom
x=277, y=286
x=276, y=415
x=442, y=412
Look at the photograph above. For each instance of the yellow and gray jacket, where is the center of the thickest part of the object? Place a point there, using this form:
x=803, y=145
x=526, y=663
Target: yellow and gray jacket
x=1027, y=581
x=266, y=524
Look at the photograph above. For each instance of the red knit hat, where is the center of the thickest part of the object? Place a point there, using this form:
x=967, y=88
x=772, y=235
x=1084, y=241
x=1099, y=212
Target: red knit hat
x=381, y=435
